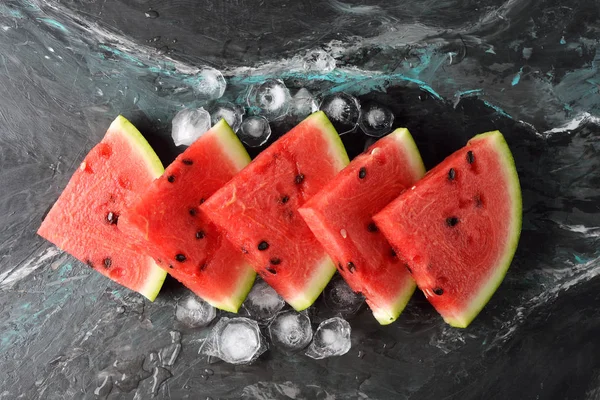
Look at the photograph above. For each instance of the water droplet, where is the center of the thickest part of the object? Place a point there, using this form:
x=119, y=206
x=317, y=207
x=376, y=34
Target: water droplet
x=151, y=14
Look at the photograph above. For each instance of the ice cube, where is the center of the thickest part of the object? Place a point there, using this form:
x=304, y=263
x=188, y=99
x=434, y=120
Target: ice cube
x=263, y=302
x=255, y=131
x=229, y=112
x=340, y=298
x=319, y=60
x=194, y=312
x=290, y=330
x=343, y=110
x=209, y=84
x=332, y=338
x=376, y=120
x=235, y=340
x=304, y=104
x=270, y=99
x=189, y=124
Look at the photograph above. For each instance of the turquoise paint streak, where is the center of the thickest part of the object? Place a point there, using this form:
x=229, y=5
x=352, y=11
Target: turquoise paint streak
x=517, y=77
x=54, y=23
x=10, y=12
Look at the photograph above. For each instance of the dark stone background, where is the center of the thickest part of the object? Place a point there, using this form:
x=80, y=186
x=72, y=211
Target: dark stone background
x=61, y=325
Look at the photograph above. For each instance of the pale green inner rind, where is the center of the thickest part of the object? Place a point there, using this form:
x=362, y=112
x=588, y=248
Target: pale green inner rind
x=137, y=140
x=323, y=272
x=514, y=188
x=231, y=144
x=121, y=125
x=243, y=286
x=406, y=141
x=387, y=315
x=337, y=149
x=154, y=281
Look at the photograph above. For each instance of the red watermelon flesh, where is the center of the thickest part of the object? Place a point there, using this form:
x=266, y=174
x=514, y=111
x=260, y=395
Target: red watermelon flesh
x=84, y=221
x=178, y=234
x=341, y=217
x=258, y=209
x=458, y=227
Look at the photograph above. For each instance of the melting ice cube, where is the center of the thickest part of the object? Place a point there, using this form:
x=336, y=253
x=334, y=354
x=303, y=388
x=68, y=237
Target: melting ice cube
x=340, y=298
x=376, y=120
x=332, y=338
x=255, y=131
x=319, y=60
x=189, y=124
x=229, y=112
x=263, y=302
x=304, y=104
x=270, y=99
x=343, y=110
x=290, y=330
x=235, y=340
x=194, y=312
x=209, y=84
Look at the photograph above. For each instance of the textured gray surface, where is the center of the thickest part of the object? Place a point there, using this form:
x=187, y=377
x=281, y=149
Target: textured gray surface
x=67, y=68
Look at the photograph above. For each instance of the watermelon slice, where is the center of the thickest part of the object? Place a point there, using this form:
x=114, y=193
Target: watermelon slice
x=179, y=236
x=341, y=217
x=258, y=209
x=458, y=227
x=84, y=220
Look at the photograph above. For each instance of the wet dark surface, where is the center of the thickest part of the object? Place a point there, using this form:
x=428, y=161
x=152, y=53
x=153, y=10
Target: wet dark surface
x=448, y=70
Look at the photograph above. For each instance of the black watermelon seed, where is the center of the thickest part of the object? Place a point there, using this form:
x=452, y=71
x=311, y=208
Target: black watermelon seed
x=180, y=257
x=107, y=262
x=263, y=245
x=340, y=266
x=299, y=178
x=244, y=250
x=362, y=172
x=202, y=200
x=285, y=199
x=112, y=218
x=451, y=174
x=170, y=266
x=271, y=270
x=89, y=263
x=187, y=161
x=439, y=291
x=203, y=266
x=171, y=178
x=200, y=235
x=393, y=253
x=192, y=212
x=275, y=261
x=451, y=221
x=470, y=157
x=372, y=227
x=408, y=268
x=351, y=267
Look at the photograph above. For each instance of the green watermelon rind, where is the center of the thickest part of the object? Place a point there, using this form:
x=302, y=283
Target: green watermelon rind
x=236, y=299
x=487, y=291
x=326, y=268
x=325, y=271
x=133, y=135
x=389, y=314
x=240, y=158
x=121, y=125
x=406, y=141
x=337, y=149
x=234, y=147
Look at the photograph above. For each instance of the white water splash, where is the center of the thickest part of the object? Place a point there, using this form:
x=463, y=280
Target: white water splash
x=578, y=121
x=12, y=276
x=589, y=232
